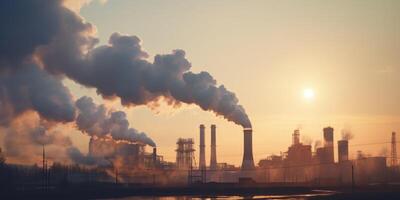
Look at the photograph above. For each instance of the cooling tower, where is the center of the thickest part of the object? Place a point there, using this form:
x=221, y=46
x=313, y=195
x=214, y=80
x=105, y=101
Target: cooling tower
x=248, y=162
x=213, y=158
x=343, y=150
x=202, y=157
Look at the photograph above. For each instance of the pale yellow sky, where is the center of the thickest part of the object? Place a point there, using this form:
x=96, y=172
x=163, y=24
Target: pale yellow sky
x=268, y=52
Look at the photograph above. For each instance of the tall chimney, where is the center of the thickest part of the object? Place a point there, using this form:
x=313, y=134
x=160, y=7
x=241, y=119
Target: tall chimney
x=343, y=150
x=248, y=162
x=202, y=157
x=213, y=159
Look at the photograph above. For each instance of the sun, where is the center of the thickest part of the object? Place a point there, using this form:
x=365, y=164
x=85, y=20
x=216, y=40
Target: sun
x=308, y=94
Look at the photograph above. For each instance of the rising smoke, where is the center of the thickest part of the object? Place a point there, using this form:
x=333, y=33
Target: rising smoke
x=121, y=69
x=347, y=134
x=43, y=42
x=99, y=122
x=26, y=135
x=30, y=88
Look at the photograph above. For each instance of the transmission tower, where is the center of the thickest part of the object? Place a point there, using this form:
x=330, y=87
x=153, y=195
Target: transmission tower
x=393, y=160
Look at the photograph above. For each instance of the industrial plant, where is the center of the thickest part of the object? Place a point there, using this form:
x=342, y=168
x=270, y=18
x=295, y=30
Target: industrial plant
x=300, y=164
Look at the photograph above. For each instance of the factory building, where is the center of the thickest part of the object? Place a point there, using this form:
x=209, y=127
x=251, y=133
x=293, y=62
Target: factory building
x=300, y=165
x=129, y=155
x=298, y=153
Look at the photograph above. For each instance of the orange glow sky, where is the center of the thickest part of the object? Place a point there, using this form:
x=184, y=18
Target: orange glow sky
x=268, y=52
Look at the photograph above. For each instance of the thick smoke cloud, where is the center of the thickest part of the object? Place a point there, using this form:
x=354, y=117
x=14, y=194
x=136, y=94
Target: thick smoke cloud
x=30, y=88
x=25, y=136
x=79, y=158
x=64, y=45
x=42, y=42
x=121, y=69
x=25, y=26
x=99, y=122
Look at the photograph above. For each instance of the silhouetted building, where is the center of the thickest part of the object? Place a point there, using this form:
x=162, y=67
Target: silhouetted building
x=298, y=154
x=328, y=152
x=343, y=150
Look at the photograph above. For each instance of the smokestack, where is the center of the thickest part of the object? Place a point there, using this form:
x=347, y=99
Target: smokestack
x=213, y=159
x=296, y=137
x=328, y=144
x=154, y=157
x=343, y=150
x=248, y=162
x=202, y=157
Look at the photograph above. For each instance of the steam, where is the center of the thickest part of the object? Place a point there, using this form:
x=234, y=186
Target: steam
x=89, y=160
x=317, y=144
x=30, y=88
x=25, y=136
x=347, y=134
x=307, y=140
x=98, y=121
x=33, y=62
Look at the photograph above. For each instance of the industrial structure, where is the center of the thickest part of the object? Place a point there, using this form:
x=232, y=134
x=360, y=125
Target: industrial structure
x=343, y=151
x=393, y=160
x=299, y=164
x=248, y=162
x=185, y=153
x=213, y=156
x=202, y=147
x=129, y=155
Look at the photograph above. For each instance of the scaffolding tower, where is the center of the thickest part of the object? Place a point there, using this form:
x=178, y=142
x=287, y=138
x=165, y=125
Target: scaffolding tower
x=184, y=153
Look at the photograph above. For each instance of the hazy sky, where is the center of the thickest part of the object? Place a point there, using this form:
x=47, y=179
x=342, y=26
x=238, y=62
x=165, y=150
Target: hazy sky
x=268, y=52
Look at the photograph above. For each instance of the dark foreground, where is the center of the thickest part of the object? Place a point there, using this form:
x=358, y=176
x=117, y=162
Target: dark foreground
x=106, y=190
